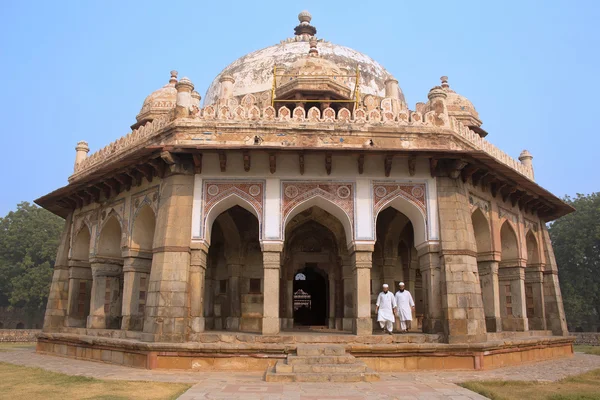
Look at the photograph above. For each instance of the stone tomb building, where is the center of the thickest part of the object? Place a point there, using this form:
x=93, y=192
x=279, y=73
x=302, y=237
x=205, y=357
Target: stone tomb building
x=271, y=216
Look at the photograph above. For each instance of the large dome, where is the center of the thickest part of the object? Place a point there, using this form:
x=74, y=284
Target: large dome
x=253, y=73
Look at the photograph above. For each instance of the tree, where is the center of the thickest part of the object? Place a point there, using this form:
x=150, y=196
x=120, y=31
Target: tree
x=29, y=239
x=576, y=242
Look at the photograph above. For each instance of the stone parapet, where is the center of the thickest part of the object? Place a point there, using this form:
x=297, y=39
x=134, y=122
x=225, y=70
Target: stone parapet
x=311, y=119
x=19, y=335
x=586, y=338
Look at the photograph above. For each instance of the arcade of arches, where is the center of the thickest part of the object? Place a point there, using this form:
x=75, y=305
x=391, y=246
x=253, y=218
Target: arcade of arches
x=316, y=275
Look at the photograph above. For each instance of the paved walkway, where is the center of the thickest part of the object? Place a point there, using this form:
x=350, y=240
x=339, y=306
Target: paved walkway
x=250, y=386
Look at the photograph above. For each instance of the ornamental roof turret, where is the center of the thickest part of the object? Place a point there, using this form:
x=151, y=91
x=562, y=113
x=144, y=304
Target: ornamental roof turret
x=158, y=103
x=462, y=109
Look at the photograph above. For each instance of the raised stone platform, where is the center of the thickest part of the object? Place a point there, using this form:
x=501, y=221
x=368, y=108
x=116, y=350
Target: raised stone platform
x=228, y=351
x=320, y=363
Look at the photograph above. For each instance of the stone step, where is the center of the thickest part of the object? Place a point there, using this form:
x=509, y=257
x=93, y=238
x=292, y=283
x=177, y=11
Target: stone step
x=320, y=350
x=329, y=368
x=345, y=359
x=272, y=376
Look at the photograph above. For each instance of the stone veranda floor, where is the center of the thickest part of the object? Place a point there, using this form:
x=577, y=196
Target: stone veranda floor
x=250, y=386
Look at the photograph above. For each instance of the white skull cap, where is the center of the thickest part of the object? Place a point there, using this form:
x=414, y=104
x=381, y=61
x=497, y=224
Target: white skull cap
x=385, y=285
x=401, y=284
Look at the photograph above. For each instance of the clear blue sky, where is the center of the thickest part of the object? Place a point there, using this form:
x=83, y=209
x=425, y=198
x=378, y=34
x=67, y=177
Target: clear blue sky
x=80, y=70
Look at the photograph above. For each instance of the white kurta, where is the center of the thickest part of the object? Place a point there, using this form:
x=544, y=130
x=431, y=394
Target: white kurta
x=404, y=301
x=386, y=303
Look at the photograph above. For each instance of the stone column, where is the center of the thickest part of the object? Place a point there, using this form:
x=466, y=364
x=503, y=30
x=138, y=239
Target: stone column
x=234, y=297
x=553, y=303
x=332, y=301
x=102, y=309
x=388, y=272
x=490, y=291
x=511, y=277
x=136, y=271
x=271, y=271
x=534, y=282
x=167, y=308
x=198, y=265
x=80, y=284
x=361, y=256
x=412, y=272
x=461, y=292
x=289, y=309
x=348, y=278
x=429, y=264
x=209, y=296
x=56, y=308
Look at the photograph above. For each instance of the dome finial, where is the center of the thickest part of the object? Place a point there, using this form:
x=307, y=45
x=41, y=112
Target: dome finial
x=305, y=29
x=173, y=77
x=444, y=80
x=304, y=17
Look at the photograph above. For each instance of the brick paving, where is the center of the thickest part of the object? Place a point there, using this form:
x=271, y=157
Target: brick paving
x=250, y=386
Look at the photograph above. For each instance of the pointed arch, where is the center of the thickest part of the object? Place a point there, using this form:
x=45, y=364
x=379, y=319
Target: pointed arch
x=324, y=218
x=414, y=214
x=326, y=205
x=481, y=229
x=81, y=244
x=231, y=234
x=533, y=252
x=142, y=234
x=508, y=241
x=109, y=240
x=225, y=204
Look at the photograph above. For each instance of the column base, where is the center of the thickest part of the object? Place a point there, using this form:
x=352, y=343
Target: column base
x=96, y=322
x=197, y=324
x=515, y=324
x=132, y=323
x=493, y=324
x=348, y=324
x=73, y=322
x=251, y=324
x=362, y=326
x=232, y=323
x=270, y=326
x=536, y=324
x=432, y=325
x=53, y=323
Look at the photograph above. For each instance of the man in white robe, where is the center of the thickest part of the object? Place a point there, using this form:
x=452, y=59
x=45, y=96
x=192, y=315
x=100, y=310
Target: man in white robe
x=386, y=307
x=405, y=307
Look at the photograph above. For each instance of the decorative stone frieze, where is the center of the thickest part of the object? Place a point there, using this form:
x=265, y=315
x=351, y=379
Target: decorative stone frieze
x=385, y=191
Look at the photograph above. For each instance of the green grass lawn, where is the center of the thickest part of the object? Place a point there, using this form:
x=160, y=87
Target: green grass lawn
x=17, y=382
x=579, y=387
x=16, y=346
x=595, y=350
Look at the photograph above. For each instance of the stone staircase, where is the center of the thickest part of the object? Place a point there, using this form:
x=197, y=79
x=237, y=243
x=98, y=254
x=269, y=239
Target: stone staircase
x=320, y=363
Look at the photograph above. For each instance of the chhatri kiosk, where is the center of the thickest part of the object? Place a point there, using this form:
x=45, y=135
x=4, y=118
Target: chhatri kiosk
x=260, y=227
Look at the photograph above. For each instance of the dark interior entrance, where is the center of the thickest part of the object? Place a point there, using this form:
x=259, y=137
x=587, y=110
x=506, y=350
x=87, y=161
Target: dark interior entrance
x=310, y=296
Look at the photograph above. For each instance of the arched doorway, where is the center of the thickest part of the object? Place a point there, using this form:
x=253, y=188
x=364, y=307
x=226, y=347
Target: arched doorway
x=511, y=281
x=310, y=296
x=108, y=277
x=136, y=269
x=80, y=279
x=313, y=254
x=234, y=274
x=395, y=260
x=487, y=266
x=534, y=280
